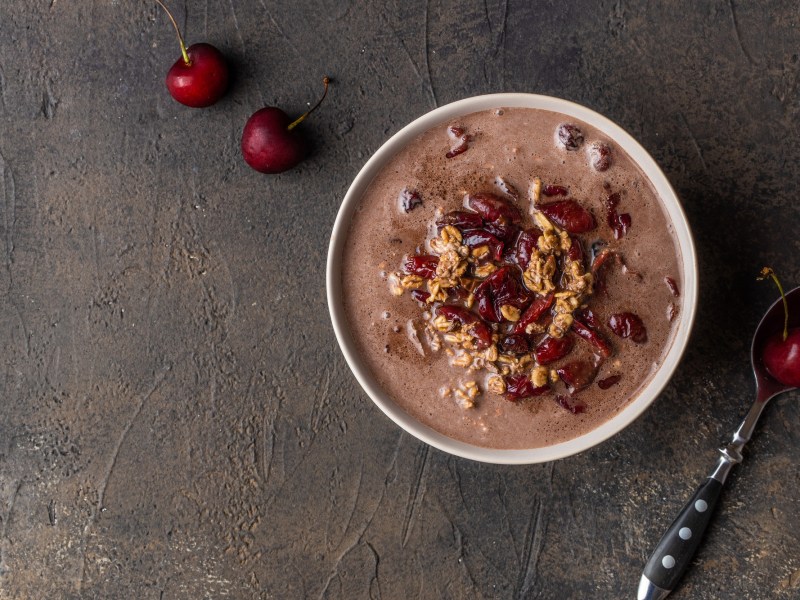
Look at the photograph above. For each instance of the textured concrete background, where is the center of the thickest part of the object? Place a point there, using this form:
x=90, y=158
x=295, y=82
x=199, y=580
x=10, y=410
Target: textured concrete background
x=176, y=420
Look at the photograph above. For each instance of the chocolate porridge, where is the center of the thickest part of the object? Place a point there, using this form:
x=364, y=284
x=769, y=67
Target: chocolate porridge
x=511, y=278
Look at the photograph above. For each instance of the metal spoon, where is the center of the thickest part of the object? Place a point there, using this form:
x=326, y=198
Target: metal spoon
x=679, y=544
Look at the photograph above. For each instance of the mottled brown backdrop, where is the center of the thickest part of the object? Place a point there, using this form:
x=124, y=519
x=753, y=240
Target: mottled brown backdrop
x=176, y=420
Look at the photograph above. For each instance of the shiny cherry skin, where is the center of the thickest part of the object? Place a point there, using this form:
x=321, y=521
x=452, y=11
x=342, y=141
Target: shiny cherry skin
x=268, y=145
x=782, y=358
x=201, y=82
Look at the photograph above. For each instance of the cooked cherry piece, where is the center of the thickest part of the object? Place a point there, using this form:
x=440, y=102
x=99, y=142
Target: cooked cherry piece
x=577, y=374
x=469, y=322
x=505, y=232
x=569, y=215
x=458, y=293
x=524, y=247
x=552, y=349
x=500, y=288
x=619, y=223
x=514, y=344
x=462, y=140
x=519, y=387
x=494, y=208
x=600, y=156
x=475, y=238
x=602, y=261
x=570, y=136
x=782, y=357
x=569, y=403
x=462, y=147
x=461, y=220
x=554, y=190
x=505, y=187
x=409, y=199
x=588, y=317
x=507, y=290
x=420, y=296
x=606, y=383
x=628, y=325
x=673, y=287
x=593, y=337
x=422, y=265
x=575, y=251
x=485, y=304
x=533, y=313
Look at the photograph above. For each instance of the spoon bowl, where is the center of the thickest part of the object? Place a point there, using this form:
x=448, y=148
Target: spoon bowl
x=766, y=386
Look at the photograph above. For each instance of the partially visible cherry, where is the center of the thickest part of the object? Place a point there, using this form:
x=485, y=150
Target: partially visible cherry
x=200, y=77
x=270, y=143
x=782, y=357
x=781, y=354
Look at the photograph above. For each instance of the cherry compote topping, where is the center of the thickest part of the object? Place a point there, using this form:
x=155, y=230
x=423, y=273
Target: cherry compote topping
x=506, y=314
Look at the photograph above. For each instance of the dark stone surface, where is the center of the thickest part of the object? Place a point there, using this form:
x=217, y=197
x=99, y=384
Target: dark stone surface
x=176, y=420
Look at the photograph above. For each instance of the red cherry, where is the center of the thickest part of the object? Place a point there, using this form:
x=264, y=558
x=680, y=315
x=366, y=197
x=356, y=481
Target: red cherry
x=202, y=81
x=200, y=77
x=270, y=143
x=782, y=357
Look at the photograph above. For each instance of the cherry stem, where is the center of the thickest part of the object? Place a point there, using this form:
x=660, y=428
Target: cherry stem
x=768, y=272
x=325, y=80
x=186, y=58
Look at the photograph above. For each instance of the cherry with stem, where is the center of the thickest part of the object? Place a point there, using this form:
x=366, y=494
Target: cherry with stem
x=781, y=353
x=270, y=141
x=200, y=77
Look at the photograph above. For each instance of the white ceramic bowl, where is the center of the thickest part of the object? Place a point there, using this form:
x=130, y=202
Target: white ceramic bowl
x=664, y=190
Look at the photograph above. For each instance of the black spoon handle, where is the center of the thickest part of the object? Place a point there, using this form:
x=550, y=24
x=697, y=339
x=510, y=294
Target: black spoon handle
x=675, y=550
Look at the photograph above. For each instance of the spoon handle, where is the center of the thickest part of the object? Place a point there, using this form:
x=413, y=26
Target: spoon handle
x=678, y=545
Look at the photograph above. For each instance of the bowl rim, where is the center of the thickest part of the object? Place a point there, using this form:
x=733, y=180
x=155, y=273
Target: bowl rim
x=664, y=190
